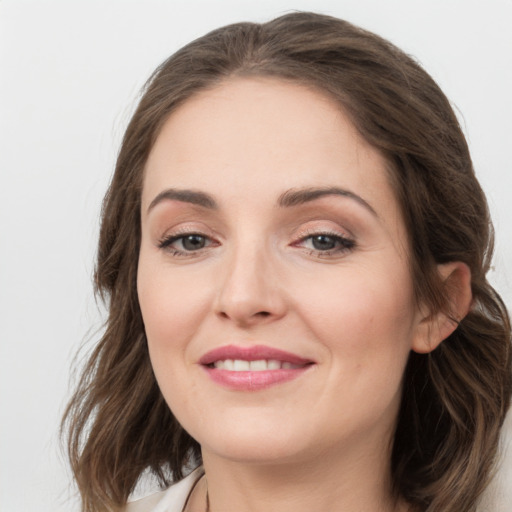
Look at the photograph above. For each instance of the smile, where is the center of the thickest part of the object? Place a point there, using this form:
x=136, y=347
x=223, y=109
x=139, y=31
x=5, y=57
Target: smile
x=252, y=368
x=260, y=365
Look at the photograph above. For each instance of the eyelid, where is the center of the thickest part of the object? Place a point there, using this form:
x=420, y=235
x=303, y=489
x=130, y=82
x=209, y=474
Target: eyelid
x=322, y=228
x=188, y=228
x=346, y=241
x=332, y=234
x=165, y=241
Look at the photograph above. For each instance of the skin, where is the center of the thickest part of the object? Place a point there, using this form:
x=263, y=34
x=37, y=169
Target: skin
x=321, y=441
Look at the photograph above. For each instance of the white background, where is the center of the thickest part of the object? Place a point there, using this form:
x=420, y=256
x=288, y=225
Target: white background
x=69, y=76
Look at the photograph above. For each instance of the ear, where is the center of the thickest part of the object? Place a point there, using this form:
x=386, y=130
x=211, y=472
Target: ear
x=433, y=328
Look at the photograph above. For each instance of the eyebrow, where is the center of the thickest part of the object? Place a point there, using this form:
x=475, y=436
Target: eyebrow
x=295, y=197
x=290, y=198
x=187, y=196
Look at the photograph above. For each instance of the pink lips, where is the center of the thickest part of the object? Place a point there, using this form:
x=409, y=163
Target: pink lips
x=253, y=380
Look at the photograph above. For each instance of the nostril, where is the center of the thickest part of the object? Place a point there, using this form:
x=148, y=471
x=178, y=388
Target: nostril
x=242, y=314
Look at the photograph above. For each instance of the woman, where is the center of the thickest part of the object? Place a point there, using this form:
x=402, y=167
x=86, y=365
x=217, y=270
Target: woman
x=293, y=249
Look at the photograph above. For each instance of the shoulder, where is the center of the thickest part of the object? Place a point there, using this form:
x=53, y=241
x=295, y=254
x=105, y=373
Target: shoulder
x=172, y=499
x=146, y=504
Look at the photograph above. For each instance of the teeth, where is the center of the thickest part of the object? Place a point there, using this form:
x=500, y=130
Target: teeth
x=240, y=365
x=258, y=365
x=273, y=364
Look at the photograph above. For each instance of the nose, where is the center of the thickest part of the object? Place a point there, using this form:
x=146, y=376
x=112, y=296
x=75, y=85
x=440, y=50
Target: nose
x=250, y=291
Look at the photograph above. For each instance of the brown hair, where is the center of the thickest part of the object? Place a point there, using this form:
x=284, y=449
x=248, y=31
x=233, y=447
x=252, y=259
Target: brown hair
x=454, y=399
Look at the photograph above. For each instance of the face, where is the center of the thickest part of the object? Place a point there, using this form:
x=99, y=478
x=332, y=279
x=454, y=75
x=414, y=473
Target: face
x=273, y=276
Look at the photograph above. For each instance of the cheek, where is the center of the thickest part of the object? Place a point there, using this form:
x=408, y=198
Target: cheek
x=172, y=307
x=172, y=304
x=360, y=313
x=366, y=326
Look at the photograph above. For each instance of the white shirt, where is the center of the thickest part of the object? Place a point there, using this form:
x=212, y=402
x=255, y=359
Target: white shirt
x=175, y=497
x=172, y=499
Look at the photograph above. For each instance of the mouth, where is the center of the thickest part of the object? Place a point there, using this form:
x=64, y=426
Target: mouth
x=252, y=368
x=260, y=365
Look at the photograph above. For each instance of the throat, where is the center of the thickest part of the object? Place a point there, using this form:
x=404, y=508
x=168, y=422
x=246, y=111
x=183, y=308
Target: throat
x=267, y=489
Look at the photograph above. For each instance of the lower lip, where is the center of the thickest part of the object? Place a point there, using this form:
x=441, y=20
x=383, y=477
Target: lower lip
x=253, y=381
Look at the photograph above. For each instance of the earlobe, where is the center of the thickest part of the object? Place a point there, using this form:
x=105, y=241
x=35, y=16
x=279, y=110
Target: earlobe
x=433, y=328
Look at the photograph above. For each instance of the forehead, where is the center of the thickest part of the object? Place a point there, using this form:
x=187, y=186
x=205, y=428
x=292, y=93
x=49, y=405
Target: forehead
x=258, y=137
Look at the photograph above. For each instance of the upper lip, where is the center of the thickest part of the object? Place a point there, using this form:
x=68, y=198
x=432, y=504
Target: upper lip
x=252, y=353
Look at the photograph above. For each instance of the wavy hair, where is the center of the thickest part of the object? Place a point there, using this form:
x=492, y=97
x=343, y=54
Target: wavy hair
x=454, y=399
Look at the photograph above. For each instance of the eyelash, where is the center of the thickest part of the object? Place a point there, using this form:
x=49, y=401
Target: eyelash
x=344, y=244
x=166, y=244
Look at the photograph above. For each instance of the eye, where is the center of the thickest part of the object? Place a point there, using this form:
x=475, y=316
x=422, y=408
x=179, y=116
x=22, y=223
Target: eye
x=326, y=244
x=185, y=244
x=193, y=242
x=323, y=242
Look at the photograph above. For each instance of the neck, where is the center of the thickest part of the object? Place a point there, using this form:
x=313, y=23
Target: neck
x=330, y=482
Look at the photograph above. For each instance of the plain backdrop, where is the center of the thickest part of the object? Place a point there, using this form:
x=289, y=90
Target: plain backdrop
x=70, y=72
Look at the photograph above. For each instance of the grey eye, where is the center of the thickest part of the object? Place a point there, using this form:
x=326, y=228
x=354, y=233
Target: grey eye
x=323, y=242
x=193, y=242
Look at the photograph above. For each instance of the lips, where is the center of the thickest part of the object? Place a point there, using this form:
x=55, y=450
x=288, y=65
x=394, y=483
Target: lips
x=254, y=353
x=252, y=368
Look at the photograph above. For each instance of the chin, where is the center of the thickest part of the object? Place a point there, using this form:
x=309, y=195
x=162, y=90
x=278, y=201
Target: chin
x=253, y=440
x=254, y=450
